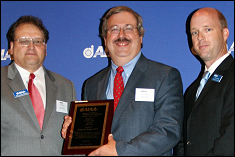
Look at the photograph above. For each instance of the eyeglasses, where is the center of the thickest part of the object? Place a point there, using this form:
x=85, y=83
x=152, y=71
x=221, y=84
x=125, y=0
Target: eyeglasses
x=26, y=41
x=128, y=29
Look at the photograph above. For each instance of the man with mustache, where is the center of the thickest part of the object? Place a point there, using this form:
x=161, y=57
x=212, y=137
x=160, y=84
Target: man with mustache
x=148, y=117
x=34, y=100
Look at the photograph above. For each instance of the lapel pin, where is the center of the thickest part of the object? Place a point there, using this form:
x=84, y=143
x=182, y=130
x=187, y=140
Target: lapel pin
x=217, y=78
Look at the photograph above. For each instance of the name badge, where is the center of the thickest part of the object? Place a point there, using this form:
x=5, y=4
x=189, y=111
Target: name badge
x=61, y=106
x=21, y=93
x=217, y=78
x=144, y=94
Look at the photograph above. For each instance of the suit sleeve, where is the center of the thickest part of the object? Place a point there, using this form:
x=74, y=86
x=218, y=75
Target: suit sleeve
x=74, y=92
x=179, y=148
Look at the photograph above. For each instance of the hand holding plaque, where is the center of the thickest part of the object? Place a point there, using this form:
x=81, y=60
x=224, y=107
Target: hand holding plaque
x=90, y=127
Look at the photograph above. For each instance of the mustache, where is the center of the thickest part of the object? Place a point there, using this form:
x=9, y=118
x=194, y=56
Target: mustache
x=122, y=40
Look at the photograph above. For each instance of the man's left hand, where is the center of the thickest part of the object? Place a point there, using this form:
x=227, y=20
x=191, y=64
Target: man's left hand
x=108, y=149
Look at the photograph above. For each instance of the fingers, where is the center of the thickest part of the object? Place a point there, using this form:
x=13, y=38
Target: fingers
x=67, y=122
x=110, y=138
x=108, y=149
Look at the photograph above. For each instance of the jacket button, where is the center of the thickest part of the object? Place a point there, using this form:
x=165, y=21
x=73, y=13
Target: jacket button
x=42, y=137
x=188, y=143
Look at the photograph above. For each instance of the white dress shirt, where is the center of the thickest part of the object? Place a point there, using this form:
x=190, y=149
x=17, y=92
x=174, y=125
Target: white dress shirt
x=212, y=68
x=128, y=68
x=39, y=81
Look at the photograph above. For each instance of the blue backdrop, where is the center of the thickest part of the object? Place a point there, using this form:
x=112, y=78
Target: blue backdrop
x=74, y=48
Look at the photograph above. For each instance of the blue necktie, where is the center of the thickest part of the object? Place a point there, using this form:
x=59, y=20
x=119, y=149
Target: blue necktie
x=202, y=83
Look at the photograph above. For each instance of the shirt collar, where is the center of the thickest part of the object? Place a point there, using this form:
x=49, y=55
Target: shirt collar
x=25, y=74
x=212, y=68
x=127, y=67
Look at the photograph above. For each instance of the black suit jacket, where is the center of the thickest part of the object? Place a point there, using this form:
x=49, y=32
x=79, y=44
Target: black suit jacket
x=209, y=121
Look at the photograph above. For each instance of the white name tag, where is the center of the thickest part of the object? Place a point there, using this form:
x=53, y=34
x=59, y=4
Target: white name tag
x=144, y=94
x=61, y=106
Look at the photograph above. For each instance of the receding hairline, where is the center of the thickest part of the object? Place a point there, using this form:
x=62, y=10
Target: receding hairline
x=222, y=20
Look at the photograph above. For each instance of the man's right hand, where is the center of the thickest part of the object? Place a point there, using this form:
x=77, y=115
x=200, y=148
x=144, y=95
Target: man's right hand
x=67, y=122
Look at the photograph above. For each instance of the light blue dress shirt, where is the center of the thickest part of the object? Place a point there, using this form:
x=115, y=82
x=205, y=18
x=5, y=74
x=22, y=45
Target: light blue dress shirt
x=128, y=68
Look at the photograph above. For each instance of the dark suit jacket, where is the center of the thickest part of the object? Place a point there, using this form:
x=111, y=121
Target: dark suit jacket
x=20, y=131
x=209, y=122
x=144, y=128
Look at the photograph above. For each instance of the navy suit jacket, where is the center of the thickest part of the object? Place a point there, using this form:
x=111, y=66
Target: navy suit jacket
x=209, y=121
x=141, y=127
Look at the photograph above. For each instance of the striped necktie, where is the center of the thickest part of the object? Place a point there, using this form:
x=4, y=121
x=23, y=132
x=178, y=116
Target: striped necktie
x=36, y=100
x=204, y=79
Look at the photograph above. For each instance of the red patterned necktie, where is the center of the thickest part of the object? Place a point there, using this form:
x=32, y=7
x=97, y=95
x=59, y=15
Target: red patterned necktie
x=36, y=100
x=118, y=86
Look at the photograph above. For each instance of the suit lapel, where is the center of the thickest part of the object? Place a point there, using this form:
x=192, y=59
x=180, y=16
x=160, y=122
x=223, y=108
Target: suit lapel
x=16, y=84
x=220, y=71
x=102, y=84
x=51, y=90
x=191, y=96
x=128, y=94
x=205, y=90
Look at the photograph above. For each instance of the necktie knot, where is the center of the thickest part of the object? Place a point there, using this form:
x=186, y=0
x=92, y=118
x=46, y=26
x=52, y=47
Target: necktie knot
x=119, y=69
x=31, y=76
x=206, y=75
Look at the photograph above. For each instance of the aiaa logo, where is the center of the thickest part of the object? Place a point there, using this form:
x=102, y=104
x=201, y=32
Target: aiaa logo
x=4, y=56
x=89, y=52
x=231, y=48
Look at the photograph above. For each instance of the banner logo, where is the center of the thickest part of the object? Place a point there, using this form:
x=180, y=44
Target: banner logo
x=89, y=52
x=231, y=48
x=4, y=56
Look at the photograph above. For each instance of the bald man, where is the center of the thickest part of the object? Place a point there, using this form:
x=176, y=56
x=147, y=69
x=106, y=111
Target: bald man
x=209, y=116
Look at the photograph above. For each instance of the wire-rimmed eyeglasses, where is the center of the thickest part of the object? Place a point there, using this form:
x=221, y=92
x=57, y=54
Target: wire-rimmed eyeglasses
x=128, y=29
x=24, y=41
